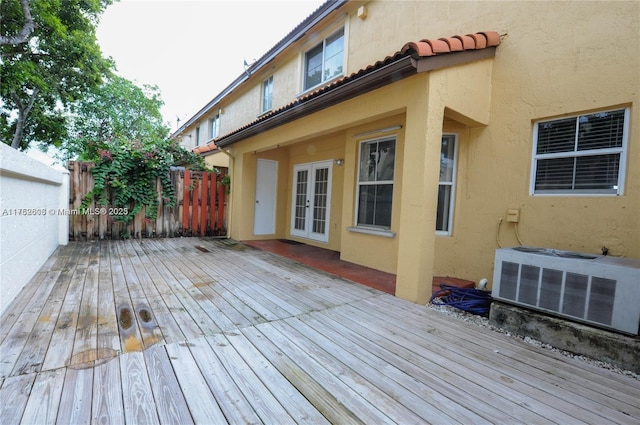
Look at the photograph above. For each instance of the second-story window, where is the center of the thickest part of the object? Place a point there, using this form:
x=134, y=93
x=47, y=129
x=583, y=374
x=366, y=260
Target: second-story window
x=197, y=136
x=267, y=94
x=325, y=60
x=214, y=127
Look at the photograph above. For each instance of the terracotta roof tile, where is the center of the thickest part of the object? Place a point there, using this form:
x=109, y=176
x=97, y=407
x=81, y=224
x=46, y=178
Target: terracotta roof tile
x=420, y=47
x=467, y=42
x=455, y=44
x=438, y=46
x=493, y=38
x=205, y=148
x=480, y=39
x=430, y=47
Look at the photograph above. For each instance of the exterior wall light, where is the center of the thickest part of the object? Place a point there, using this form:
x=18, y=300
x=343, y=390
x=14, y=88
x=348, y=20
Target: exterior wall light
x=339, y=162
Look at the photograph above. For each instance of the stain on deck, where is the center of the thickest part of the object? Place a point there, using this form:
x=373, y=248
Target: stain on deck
x=157, y=331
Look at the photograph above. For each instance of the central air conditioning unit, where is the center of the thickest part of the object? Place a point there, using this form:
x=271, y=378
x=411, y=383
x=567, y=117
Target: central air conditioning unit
x=599, y=290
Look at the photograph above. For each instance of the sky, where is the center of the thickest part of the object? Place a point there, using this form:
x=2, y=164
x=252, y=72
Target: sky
x=193, y=49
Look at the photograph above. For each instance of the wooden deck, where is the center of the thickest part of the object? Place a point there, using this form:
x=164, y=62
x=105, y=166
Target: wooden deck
x=208, y=331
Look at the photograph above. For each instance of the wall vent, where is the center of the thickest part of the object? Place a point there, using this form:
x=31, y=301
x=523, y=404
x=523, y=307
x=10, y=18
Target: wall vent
x=594, y=289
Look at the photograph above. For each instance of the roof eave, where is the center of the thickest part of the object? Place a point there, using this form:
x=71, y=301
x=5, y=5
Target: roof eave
x=392, y=72
x=431, y=63
x=378, y=78
x=321, y=13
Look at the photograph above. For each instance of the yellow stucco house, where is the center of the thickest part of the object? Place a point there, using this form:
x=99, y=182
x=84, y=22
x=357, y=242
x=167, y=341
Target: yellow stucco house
x=417, y=137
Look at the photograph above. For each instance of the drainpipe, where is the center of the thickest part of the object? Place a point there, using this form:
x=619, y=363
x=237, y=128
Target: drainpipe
x=231, y=163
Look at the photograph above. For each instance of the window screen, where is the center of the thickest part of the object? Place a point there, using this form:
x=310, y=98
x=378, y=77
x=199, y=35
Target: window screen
x=582, y=155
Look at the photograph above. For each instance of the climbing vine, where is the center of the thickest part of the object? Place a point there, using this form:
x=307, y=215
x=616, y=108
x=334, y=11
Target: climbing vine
x=126, y=174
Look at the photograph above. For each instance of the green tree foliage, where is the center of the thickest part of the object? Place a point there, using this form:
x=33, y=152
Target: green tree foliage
x=117, y=109
x=119, y=127
x=126, y=174
x=22, y=36
x=58, y=63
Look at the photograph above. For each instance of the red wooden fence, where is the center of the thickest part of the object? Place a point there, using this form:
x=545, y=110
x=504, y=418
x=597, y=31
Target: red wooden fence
x=202, y=212
x=199, y=210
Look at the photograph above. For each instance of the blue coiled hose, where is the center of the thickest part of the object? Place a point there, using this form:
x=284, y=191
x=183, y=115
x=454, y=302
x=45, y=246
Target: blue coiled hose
x=472, y=300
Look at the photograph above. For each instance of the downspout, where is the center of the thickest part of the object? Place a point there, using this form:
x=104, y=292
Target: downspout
x=231, y=164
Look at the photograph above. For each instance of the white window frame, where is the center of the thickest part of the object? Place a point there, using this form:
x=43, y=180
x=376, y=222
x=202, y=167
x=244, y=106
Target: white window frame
x=452, y=184
x=266, y=103
x=214, y=127
x=622, y=151
x=198, y=136
x=372, y=227
x=323, y=43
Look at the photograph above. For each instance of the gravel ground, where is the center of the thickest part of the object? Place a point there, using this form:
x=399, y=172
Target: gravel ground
x=484, y=322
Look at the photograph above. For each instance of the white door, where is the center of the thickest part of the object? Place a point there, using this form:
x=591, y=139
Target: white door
x=311, y=202
x=264, y=220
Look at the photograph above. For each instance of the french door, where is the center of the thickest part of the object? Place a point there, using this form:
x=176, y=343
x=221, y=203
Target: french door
x=311, y=203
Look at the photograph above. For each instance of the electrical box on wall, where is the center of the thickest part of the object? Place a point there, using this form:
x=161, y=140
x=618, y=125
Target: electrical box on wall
x=513, y=215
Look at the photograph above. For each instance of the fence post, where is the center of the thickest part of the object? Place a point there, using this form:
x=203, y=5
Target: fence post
x=212, y=203
x=220, y=205
x=63, y=219
x=185, y=201
x=195, y=203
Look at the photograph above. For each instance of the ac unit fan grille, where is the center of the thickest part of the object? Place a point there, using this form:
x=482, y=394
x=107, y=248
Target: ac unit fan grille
x=551, y=289
x=601, y=300
x=572, y=294
x=575, y=295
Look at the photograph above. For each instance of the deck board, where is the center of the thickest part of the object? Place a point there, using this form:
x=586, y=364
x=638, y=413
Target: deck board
x=196, y=284
x=16, y=308
x=108, y=341
x=183, y=289
x=139, y=405
x=180, y=324
x=107, y=405
x=61, y=345
x=400, y=385
x=14, y=396
x=198, y=396
x=355, y=404
x=238, y=335
x=239, y=312
x=496, y=383
x=36, y=345
x=261, y=399
x=85, y=344
x=446, y=389
x=154, y=288
x=75, y=402
x=312, y=384
x=587, y=379
x=543, y=365
x=12, y=346
x=44, y=399
x=170, y=402
x=293, y=401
